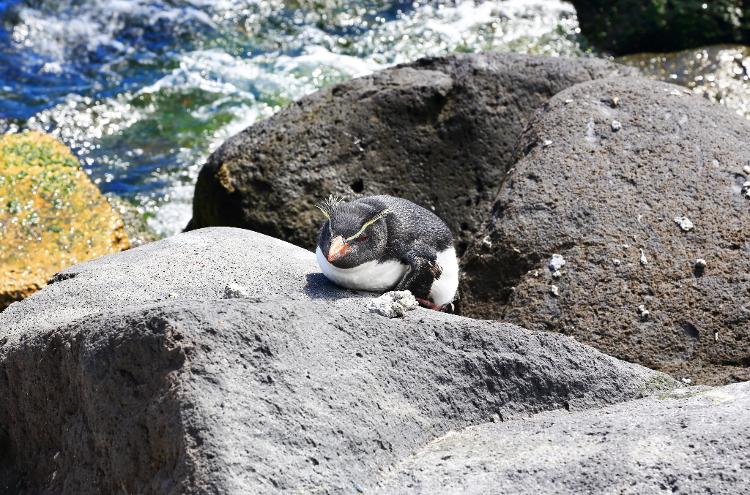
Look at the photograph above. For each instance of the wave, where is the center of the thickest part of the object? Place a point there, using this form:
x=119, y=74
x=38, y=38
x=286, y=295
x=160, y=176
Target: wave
x=143, y=90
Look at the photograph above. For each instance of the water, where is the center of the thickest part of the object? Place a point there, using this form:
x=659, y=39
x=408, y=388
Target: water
x=720, y=73
x=144, y=90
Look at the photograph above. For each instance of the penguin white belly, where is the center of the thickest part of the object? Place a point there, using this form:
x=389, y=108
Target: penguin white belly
x=371, y=276
x=443, y=290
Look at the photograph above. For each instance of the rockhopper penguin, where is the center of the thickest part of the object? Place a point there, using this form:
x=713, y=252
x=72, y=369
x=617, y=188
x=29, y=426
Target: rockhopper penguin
x=382, y=243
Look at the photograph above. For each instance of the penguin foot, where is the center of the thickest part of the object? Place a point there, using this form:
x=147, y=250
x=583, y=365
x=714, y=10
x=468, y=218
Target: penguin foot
x=429, y=304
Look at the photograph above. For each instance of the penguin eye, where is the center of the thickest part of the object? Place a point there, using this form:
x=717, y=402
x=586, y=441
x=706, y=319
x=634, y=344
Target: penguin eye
x=362, y=238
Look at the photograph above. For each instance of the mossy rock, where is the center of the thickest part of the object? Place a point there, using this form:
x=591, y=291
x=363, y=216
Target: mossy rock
x=51, y=215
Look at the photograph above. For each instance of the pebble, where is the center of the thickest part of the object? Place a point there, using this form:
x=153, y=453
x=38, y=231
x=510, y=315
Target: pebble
x=700, y=263
x=487, y=242
x=554, y=290
x=616, y=125
x=556, y=274
x=613, y=102
x=644, y=261
x=687, y=381
x=746, y=169
x=685, y=224
x=616, y=262
x=547, y=142
x=393, y=304
x=644, y=312
x=235, y=291
x=556, y=262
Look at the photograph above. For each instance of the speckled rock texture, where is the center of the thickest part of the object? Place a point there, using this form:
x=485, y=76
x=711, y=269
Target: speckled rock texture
x=51, y=214
x=441, y=132
x=133, y=373
x=606, y=197
x=690, y=441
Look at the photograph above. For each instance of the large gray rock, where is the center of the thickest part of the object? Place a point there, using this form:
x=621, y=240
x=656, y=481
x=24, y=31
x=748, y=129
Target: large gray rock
x=607, y=172
x=441, y=132
x=689, y=441
x=132, y=374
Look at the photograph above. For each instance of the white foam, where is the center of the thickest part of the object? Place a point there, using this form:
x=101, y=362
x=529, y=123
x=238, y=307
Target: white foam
x=292, y=61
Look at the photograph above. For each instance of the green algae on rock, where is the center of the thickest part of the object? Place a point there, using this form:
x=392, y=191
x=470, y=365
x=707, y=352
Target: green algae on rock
x=51, y=215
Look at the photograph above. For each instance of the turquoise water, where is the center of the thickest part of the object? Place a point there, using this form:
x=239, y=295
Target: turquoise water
x=143, y=91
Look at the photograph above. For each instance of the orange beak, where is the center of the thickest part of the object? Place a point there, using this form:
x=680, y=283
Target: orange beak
x=338, y=248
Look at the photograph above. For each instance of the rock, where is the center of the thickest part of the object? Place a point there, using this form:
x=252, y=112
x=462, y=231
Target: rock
x=440, y=132
x=556, y=262
x=631, y=26
x=51, y=215
x=393, y=304
x=236, y=291
x=643, y=312
x=614, y=197
x=615, y=125
x=109, y=385
x=690, y=441
x=685, y=224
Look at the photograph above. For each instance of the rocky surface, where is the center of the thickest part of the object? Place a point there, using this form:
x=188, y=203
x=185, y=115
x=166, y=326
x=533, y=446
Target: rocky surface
x=605, y=197
x=51, y=214
x=132, y=373
x=690, y=441
x=632, y=26
x=441, y=132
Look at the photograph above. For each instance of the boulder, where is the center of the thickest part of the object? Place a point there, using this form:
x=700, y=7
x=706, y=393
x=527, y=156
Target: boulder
x=51, y=214
x=132, y=373
x=631, y=26
x=689, y=441
x=440, y=132
x=638, y=186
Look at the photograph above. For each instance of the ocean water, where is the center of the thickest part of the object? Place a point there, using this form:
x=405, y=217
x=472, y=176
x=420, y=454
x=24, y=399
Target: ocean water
x=144, y=90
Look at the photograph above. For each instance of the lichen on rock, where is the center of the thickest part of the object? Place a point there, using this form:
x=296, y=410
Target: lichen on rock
x=51, y=215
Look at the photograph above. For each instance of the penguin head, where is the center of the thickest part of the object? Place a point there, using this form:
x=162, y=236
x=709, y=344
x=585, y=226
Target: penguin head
x=353, y=233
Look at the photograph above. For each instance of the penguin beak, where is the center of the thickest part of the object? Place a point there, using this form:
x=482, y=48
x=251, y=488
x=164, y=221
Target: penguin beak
x=338, y=248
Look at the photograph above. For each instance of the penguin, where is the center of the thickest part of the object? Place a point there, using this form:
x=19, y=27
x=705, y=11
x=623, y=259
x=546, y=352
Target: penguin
x=383, y=243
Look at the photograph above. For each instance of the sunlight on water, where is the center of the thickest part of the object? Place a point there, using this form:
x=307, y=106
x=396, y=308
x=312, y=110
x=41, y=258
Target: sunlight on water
x=144, y=90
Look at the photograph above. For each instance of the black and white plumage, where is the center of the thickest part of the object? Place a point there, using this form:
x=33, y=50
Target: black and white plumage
x=382, y=243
